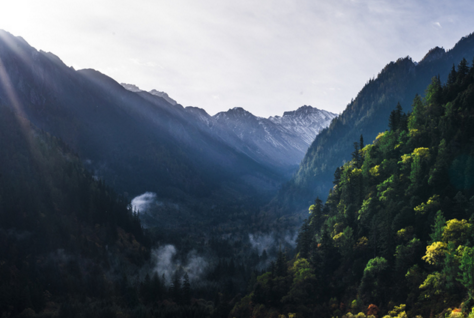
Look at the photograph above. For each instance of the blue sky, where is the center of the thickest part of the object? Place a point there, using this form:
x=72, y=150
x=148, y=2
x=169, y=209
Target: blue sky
x=265, y=56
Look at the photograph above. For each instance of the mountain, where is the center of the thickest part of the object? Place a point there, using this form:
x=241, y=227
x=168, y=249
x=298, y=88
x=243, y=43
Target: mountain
x=62, y=232
x=305, y=122
x=281, y=140
x=394, y=238
x=278, y=141
x=135, y=89
x=137, y=142
x=140, y=141
x=366, y=115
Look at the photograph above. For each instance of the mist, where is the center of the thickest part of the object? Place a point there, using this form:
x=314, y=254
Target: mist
x=143, y=202
x=166, y=263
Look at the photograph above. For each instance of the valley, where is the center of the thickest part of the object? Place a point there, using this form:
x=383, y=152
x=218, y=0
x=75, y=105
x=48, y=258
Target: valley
x=121, y=202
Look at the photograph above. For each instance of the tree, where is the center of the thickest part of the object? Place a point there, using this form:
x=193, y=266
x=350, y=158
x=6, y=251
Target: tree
x=304, y=240
x=438, y=227
x=373, y=279
x=466, y=274
x=186, y=290
x=176, y=288
x=356, y=155
x=337, y=176
x=452, y=76
x=463, y=69
x=281, y=266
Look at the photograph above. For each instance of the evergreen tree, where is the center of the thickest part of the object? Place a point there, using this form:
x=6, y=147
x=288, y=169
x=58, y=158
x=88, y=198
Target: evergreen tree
x=356, y=155
x=186, y=290
x=304, y=240
x=438, y=227
x=463, y=69
x=281, y=265
x=176, y=288
x=337, y=176
x=452, y=76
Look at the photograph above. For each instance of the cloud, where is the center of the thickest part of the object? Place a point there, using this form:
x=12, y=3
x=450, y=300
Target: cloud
x=437, y=24
x=166, y=263
x=143, y=202
x=261, y=242
x=267, y=242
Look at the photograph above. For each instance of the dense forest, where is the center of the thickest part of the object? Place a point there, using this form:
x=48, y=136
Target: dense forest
x=366, y=114
x=395, y=235
x=71, y=247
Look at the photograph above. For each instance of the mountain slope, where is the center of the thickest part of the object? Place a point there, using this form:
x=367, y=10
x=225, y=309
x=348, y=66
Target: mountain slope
x=394, y=238
x=61, y=231
x=282, y=140
x=278, y=141
x=135, y=141
x=366, y=115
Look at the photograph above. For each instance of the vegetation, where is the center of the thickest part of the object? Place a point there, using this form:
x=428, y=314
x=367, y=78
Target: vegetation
x=366, y=114
x=395, y=236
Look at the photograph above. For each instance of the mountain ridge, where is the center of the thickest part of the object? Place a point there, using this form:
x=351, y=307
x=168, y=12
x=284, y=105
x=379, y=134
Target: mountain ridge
x=282, y=140
x=366, y=115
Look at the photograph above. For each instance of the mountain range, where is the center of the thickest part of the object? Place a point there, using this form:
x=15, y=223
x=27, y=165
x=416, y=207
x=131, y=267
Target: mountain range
x=141, y=141
x=281, y=141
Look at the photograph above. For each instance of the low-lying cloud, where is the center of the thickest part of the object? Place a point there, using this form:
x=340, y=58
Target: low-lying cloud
x=166, y=264
x=143, y=202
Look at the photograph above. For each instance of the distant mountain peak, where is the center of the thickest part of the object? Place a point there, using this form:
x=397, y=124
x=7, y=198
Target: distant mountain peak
x=136, y=89
x=131, y=87
x=433, y=54
x=236, y=112
x=303, y=110
x=163, y=95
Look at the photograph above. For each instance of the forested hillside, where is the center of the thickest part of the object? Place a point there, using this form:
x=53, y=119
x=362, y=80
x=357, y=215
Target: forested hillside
x=136, y=142
x=366, y=114
x=395, y=235
x=71, y=247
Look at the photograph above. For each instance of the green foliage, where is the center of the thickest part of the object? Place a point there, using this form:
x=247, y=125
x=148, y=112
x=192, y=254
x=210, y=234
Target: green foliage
x=397, y=226
x=437, y=228
x=466, y=267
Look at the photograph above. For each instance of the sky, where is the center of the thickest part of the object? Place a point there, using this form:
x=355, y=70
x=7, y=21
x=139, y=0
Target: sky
x=267, y=56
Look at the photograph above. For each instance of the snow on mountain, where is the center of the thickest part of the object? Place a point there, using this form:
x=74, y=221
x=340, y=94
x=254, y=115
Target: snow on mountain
x=283, y=140
x=279, y=140
x=305, y=122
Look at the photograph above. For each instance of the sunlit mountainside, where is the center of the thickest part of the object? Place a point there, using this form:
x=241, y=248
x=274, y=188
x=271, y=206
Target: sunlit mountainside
x=120, y=202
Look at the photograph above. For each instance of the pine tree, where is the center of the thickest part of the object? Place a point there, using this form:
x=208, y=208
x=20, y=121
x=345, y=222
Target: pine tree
x=281, y=266
x=356, y=155
x=450, y=269
x=304, y=240
x=452, y=76
x=186, y=290
x=337, y=176
x=438, y=227
x=466, y=275
x=463, y=69
x=176, y=288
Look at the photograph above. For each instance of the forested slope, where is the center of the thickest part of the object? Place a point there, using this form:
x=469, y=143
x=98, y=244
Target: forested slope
x=367, y=114
x=395, y=236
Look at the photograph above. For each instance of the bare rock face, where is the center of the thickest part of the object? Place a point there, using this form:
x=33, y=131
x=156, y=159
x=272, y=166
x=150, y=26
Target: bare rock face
x=280, y=139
